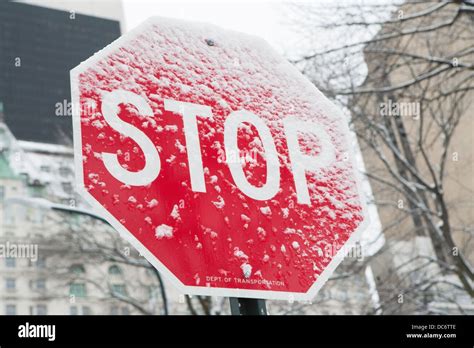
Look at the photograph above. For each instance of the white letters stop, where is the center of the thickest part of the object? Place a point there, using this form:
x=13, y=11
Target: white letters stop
x=300, y=162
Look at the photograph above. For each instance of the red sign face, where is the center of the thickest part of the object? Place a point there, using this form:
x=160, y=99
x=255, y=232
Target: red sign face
x=227, y=169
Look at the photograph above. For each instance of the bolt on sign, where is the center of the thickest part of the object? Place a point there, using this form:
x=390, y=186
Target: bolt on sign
x=214, y=157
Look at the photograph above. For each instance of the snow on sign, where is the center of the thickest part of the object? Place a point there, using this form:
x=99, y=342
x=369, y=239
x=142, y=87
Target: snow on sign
x=227, y=169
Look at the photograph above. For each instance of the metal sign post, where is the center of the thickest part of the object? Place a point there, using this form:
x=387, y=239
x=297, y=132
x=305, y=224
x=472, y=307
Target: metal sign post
x=247, y=306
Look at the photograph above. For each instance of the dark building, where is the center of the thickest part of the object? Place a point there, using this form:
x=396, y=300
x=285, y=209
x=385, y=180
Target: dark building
x=38, y=47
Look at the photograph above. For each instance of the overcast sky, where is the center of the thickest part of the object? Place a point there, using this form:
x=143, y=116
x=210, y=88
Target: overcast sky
x=259, y=17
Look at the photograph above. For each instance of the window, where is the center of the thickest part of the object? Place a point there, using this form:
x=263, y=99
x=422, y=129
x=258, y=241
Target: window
x=45, y=169
x=36, y=190
x=24, y=177
x=119, y=289
x=10, y=262
x=10, y=284
x=40, y=262
x=64, y=171
x=41, y=309
x=10, y=216
x=78, y=289
x=77, y=269
x=116, y=310
x=67, y=187
x=10, y=309
x=34, y=215
x=67, y=201
x=41, y=284
x=74, y=310
x=114, y=270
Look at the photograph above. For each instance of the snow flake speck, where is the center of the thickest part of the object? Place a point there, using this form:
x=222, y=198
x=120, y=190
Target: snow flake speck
x=171, y=159
x=245, y=218
x=175, y=212
x=220, y=203
x=197, y=279
x=97, y=124
x=261, y=233
x=164, y=231
x=152, y=203
x=246, y=269
x=181, y=148
x=171, y=128
x=223, y=104
x=240, y=254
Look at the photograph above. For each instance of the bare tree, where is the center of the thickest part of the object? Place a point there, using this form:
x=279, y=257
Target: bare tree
x=406, y=78
x=95, y=246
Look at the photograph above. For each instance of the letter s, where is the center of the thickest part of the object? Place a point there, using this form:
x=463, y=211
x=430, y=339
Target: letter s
x=152, y=167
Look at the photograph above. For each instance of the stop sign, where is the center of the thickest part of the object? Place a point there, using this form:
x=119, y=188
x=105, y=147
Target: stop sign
x=228, y=170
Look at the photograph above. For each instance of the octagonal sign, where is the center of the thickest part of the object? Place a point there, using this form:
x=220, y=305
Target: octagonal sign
x=227, y=169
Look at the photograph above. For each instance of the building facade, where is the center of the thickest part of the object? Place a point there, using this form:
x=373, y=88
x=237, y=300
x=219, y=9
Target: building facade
x=423, y=103
x=38, y=47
